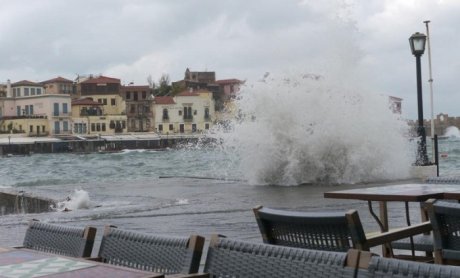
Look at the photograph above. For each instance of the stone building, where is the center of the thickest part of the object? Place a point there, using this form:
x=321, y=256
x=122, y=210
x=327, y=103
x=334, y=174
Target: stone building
x=138, y=101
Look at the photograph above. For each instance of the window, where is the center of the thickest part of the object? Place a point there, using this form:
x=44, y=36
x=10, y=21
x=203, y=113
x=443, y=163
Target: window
x=64, y=108
x=171, y=127
x=112, y=124
x=206, y=113
x=18, y=110
x=93, y=127
x=160, y=128
x=65, y=126
x=56, y=109
x=128, y=95
x=113, y=102
x=104, y=101
x=26, y=92
x=194, y=112
x=18, y=92
x=31, y=128
x=124, y=124
x=39, y=91
x=98, y=127
x=180, y=112
x=103, y=127
x=193, y=127
x=32, y=91
x=165, y=114
x=144, y=94
x=132, y=108
x=43, y=128
x=206, y=126
x=26, y=110
x=31, y=109
x=135, y=95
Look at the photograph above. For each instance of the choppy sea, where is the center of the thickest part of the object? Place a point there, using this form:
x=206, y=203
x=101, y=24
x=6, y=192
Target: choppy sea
x=175, y=191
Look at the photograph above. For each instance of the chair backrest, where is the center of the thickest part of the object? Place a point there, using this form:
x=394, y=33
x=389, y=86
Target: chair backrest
x=331, y=231
x=165, y=254
x=445, y=218
x=235, y=258
x=59, y=239
x=443, y=180
x=374, y=266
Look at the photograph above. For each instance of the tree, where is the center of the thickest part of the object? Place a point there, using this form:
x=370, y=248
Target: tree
x=164, y=87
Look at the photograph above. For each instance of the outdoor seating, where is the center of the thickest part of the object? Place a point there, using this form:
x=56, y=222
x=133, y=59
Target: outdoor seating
x=58, y=239
x=332, y=231
x=235, y=258
x=443, y=180
x=374, y=266
x=445, y=218
x=161, y=254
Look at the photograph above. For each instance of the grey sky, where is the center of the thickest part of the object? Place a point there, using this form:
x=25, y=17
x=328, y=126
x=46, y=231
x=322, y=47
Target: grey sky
x=40, y=39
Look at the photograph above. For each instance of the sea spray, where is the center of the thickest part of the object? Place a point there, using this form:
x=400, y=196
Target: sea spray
x=299, y=129
x=79, y=199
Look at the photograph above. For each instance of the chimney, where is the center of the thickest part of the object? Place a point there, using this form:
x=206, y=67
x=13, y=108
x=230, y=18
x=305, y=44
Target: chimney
x=8, y=89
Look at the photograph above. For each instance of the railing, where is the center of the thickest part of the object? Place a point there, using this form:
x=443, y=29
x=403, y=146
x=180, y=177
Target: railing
x=61, y=114
x=62, y=132
x=188, y=119
x=33, y=116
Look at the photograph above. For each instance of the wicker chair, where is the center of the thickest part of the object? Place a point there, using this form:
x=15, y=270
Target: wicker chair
x=234, y=258
x=445, y=218
x=163, y=254
x=374, y=266
x=332, y=231
x=58, y=239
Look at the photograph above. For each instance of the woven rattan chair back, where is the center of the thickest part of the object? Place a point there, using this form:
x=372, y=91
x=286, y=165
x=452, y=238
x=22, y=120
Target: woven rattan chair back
x=235, y=258
x=58, y=239
x=445, y=218
x=163, y=254
x=394, y=268
x=311, y=230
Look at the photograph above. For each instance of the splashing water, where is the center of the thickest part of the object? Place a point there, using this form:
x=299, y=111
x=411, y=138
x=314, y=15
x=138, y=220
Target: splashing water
x=452, y=131
x=79, y=199
x=303, y=130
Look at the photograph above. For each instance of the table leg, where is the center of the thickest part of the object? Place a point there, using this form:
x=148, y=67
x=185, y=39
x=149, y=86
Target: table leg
x=387, y=251
x=406, y=204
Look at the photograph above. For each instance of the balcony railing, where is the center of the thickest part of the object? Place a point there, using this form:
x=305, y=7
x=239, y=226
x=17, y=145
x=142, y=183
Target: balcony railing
x=188, y=118
x=61, y=114
x=62, y=132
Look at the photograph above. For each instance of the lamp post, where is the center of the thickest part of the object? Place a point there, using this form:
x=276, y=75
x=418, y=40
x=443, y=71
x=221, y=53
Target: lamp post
x=417, y=45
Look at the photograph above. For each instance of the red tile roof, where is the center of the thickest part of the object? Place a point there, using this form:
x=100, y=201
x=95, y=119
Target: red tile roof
x=164, y=100
x=58, y=79
x=85, y=101
x=26, y=83
x=228, y=81
x=101, y=80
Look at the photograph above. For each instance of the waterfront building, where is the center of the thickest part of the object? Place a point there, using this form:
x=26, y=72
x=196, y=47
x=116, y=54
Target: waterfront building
x=105, y=91
x=229, y=90
x=26, y=109
x=59, y=85
x=139, y=101
x=188, y=112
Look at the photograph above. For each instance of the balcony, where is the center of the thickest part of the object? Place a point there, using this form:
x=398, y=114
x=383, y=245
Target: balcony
x=90, y=112
x=188, y=119
x=61, y=114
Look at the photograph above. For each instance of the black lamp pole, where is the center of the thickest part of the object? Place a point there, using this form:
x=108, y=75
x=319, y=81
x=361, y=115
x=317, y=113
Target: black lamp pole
x=417, y=42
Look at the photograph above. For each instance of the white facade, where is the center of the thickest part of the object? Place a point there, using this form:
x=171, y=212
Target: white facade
x=190, y=112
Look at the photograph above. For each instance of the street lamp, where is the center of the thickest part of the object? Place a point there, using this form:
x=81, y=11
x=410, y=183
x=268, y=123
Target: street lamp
x=417, y=45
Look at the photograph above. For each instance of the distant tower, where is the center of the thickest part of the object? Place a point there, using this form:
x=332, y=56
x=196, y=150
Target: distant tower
x=8, y=89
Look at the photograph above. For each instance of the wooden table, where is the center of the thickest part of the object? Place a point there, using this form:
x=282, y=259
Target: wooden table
x=29, y=263
x=396, y=193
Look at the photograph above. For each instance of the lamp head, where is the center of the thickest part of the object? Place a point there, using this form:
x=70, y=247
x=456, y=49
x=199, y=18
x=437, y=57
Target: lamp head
x=417, y=43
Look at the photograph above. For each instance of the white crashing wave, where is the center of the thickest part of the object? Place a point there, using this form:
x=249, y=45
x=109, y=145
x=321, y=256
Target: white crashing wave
x=79, y=199
x=303, y=130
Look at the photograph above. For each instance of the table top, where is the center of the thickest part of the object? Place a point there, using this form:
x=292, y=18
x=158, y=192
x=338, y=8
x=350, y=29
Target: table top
x=15, y=263
x=415, y=192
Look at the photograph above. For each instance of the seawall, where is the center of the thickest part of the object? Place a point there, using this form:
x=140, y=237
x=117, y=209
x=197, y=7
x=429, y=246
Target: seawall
x=30, y=145
x=22, y=202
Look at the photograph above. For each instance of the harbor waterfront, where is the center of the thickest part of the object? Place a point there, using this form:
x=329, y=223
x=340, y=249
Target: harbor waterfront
x=175, y=191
